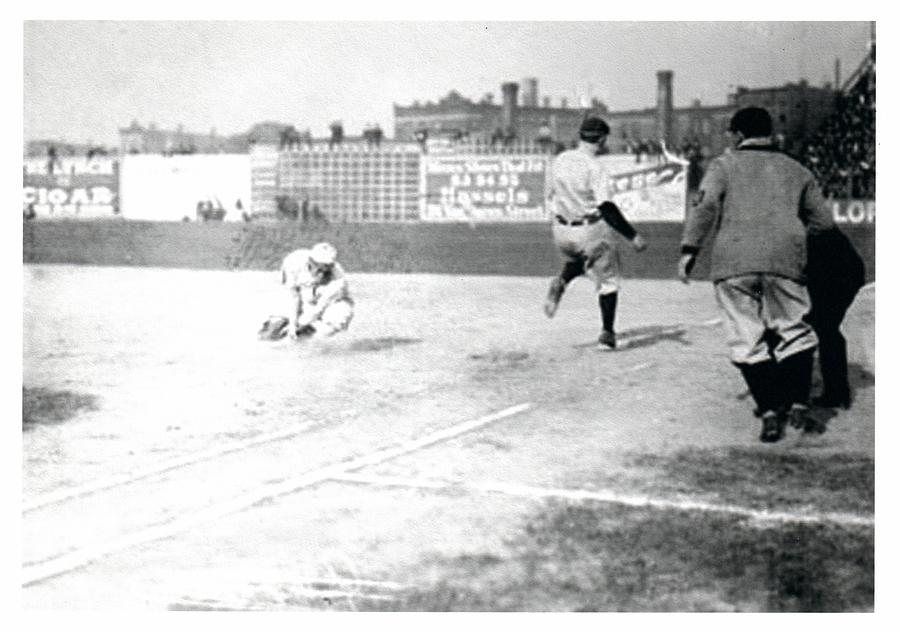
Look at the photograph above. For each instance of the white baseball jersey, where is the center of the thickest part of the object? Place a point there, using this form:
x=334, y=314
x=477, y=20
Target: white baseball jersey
x=579, y=184
x=297, y=274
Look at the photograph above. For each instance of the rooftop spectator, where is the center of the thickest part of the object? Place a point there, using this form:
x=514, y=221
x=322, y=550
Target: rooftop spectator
x=337, y=134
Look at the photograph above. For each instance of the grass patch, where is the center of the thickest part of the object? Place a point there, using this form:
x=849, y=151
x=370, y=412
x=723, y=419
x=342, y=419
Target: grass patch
x=598, y=557
x=764, y=478
x=48, y=406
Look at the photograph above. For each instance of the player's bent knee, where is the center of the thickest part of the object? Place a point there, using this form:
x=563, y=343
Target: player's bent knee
x=608, y=287
x=336, y=318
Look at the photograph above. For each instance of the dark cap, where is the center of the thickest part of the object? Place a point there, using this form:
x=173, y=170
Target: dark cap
x=592, y=129
x=752, y=122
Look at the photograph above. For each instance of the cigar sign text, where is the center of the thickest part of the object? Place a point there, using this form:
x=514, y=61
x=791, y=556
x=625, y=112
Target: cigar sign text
x=71, y=187
x=70, y=202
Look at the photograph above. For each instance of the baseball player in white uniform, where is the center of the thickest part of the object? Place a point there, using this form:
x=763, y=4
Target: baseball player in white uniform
x=320, y=302
x=584, y=220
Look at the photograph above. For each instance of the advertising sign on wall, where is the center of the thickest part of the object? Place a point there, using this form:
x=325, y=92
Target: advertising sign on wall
x=854, y=211
x=656, y=193
x=70, y=188
x=172, y=188
x=484, y=188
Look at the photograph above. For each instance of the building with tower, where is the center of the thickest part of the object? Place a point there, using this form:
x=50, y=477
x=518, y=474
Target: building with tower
x=797, y=109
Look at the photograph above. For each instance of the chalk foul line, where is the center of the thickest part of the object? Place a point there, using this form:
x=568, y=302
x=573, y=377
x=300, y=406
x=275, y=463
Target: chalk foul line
x=61, y=495
x=608, y=496
x=35, y=573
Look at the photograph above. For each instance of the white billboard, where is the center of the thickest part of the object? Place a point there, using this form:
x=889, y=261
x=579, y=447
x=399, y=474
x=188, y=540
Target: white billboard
x=170, y=188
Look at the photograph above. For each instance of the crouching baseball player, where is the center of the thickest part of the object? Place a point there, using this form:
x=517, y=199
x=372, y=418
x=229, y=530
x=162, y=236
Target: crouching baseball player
x=319, y=300
x=583, y=224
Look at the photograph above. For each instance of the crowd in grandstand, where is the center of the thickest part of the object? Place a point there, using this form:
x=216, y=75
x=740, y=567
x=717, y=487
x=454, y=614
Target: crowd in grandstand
x=842, y=153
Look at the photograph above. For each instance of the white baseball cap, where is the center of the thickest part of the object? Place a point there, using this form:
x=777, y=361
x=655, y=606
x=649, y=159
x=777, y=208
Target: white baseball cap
x=323, y=254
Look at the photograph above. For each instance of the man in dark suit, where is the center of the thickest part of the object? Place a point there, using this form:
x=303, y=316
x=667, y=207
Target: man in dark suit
x=835, y=272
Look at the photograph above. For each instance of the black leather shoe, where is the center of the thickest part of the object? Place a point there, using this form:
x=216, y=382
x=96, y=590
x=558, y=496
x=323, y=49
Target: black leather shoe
x=798, y=416
x=607, y=340
x=772, y=428
x=813, y=426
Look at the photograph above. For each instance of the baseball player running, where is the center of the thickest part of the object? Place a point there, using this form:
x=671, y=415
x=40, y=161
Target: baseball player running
x=583, y=224
x=320, y=302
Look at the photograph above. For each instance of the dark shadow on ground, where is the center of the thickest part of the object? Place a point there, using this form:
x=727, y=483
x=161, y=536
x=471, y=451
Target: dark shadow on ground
x=500, y=357
x=47, y=406
x=380, y=344
x=860, y=377
x=647, y=336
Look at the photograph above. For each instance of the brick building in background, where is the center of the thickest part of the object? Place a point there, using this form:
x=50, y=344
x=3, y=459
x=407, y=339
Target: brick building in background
x=137, y=139
x=524, y=116
x=797, y=109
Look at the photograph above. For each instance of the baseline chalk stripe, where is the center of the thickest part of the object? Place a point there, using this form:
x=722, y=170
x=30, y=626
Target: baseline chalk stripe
x=230, y=579
x=157, y=468
x=34, y=573
x=607, y=496
x=309, y=594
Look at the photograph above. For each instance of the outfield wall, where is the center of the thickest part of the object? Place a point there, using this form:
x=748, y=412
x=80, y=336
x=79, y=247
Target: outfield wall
x=519, y=249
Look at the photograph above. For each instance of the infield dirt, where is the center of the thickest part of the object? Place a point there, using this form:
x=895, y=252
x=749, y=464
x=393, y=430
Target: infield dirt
x=156, y=364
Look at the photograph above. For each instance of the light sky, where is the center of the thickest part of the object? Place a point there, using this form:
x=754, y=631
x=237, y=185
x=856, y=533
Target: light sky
x=85, y=80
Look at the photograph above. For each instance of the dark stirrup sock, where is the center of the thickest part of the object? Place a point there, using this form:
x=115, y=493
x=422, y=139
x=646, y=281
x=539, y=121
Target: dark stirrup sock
x=608, y=310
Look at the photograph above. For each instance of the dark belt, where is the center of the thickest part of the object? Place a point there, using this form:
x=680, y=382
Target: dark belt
x=584, y=219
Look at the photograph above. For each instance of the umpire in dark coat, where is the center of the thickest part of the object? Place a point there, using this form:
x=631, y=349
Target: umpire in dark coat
x=834, y=274
x=757, y=206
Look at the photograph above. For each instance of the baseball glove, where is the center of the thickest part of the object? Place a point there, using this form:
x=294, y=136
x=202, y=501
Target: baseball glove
x=274, y=328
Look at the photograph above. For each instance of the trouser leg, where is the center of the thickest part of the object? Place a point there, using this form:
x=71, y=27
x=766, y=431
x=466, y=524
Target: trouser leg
x=784, y=308
x=572, y=268
x=608, y=303
x=832, y=354
x=795, y=372
x=833, y=364
x=763, y=381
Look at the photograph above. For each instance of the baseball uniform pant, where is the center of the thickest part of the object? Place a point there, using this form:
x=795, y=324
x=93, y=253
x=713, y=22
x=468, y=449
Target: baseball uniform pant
x=591, y=247
x=335, y=318
x=764, y=317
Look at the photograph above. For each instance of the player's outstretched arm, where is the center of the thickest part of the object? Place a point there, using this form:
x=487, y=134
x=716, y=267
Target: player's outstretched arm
x=686, y=262
x=613, y=216
x=295, y=309
x=701, y=217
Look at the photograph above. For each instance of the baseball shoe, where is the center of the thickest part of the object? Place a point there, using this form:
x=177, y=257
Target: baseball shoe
x=772, y=427
x=607, y=340
x=798, y=416
x=554, y=295
x=802, y=418
x=306, y=331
